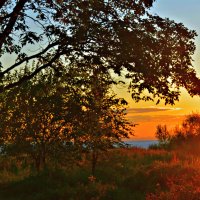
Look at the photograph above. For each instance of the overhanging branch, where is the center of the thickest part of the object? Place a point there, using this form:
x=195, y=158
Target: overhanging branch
x=28, y=58
x=12, y=20
x=2, y=2
x=28, y=77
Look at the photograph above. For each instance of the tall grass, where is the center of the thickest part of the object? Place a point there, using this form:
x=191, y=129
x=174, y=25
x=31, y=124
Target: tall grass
x=131, y=174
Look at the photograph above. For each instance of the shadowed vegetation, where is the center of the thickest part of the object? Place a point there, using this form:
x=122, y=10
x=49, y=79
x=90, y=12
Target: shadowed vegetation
x=185, y=137
x=121, y=174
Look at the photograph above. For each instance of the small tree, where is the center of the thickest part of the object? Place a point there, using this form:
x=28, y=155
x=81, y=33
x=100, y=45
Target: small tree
x=102, y=122
x=32, y=119
x=80, y=111
x=162, y=134
x=185, y=137
x=191, y=125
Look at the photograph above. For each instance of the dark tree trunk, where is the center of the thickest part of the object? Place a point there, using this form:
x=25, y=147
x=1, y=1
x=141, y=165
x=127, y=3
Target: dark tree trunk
x=43, y=155
x=94, y=161
x=37, y=163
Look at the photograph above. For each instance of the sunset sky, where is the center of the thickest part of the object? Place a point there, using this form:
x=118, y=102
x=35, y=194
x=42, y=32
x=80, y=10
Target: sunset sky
x=147, y=114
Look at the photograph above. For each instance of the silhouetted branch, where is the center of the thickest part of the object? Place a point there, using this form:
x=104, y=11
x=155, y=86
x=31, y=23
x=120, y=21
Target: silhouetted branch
x=28, y=58
x=12, y=21
x=28, y=77
x=2, y=2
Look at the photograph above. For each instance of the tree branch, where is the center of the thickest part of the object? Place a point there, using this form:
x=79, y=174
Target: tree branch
x=2, y=2
x=28, y=77
x=28, y=58
x=12, y=21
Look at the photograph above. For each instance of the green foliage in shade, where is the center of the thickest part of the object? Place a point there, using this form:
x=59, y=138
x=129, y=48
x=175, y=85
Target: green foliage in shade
x=30, y=119
x=101, y=116
x=122, y=174
x=57, y=106
x=49, y=116
x=111, y=181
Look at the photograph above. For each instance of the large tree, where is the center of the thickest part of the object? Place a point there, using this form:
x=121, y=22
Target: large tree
x=117, y=35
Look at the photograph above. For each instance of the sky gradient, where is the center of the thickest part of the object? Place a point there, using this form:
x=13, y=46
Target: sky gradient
x=148, y=115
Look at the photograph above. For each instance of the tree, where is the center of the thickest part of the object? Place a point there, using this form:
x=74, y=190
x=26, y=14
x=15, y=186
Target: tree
x=32, y=119
x=117, y=35
x=101, y=123
x=47, y=115
x=189, y=131
x=185, y=136
x=191, y=125
x=162, y=134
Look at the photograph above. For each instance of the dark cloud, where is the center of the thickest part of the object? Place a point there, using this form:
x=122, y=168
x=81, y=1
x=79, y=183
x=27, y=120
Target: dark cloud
x=155, y=118
x=151, y=109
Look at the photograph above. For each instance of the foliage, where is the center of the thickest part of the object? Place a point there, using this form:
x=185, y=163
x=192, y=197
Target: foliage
x=122, y=174
x=102, y=116
x=185, y=137
x=162, y=134
x=99, y=119
x=75, y=113
x=191, y=125
x=31, y=120
x=120, y=35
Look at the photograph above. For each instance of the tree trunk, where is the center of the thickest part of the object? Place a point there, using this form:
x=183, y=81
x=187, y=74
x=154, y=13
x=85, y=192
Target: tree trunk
x=94, y=161
x=37, y=163
x=43, y=155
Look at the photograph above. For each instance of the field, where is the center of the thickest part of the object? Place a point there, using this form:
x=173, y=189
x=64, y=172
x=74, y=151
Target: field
x=130, y=174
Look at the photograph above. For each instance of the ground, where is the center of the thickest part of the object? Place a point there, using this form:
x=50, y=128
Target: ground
x=121, y=174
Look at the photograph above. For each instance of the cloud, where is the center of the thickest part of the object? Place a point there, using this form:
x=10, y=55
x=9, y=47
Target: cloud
x=156, y=118
x=150, y=109
x=140, y=118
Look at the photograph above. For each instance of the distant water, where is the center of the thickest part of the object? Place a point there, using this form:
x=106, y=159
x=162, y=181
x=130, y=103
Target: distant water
x=141, y=143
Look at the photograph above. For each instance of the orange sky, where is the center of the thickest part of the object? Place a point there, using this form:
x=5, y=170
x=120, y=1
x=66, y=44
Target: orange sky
x=147, y=114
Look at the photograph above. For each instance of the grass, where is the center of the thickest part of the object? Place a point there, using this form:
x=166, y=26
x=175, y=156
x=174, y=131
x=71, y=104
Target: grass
x=130, y=174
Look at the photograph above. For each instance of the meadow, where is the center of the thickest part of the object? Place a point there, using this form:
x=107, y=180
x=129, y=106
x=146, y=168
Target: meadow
x=130, y=174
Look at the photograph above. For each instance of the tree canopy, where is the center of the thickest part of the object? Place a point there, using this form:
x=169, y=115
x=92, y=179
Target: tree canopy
x=116, y=35
x=50, y=116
